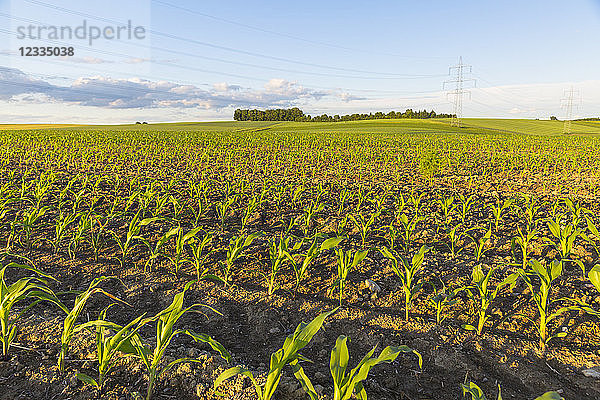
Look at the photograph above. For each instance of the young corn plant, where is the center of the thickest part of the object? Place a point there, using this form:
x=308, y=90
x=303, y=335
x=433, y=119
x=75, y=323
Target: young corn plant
x=483, y=295
x=62, y=223
x=345, y=382
x=29, y=221
x=477, y=394
x=409, y=273
x=361, y=196
x=466, y=203
x=379, y=201
x=28, y=289
x=399, y=203
x=342, y=199
x=456, y=239
x=447, y=206
x=498, y=210
x=181, y=240
x=178, y=207
x=392, y=234
x=594, y=276
x=165, y=332
x=416, y=202
x=237, y=245
x=340, y=226
x=111, y=339
x=408, y=229
x=253, y=204
x=363, y=224
x=346, y=262
x=577, y=211
x=297, y=193
x=156, y=251
x=441, y=300
x=288, y=354
x=72, y=315
x=523, y=240
x=564, y=238
x=481, y=244
x=530, y=210
x=310, y=211
x=308, y=257
x=278, y=254
x=593, y=229
x=83, y=228
x=199, y=255
x=96, y=235
x=539, y=278
x=133, y=233
x=160, y=203
x=223, y=209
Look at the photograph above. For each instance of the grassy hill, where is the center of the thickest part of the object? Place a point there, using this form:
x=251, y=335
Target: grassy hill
x=414, y=126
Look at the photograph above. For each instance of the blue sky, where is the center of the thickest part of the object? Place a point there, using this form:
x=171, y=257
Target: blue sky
x=201, y=60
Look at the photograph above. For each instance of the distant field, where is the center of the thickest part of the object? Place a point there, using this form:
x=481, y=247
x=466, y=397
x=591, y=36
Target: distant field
x=534, y=127
x=12, y=127
x=416, y=126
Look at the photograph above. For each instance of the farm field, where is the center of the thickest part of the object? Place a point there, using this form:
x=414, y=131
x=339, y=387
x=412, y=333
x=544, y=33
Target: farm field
x=476, y=248
x=534, y=127
x=6, y=127
x=479, y=125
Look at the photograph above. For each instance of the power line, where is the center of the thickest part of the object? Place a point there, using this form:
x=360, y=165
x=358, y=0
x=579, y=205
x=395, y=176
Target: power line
x=171, y=64
x=285, y=35
x=230, y=49
x=262, y=67
x=459, y=91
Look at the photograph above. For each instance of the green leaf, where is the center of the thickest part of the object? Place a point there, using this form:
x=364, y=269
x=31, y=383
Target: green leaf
x=86, y=379
x=304, y=380
x=594, y=276
x=339, y=360
x=204, y=338
x=556, y=270
x=474, y=390
x=550, y=396
x=231, y=372
x=331, y=243
x=358, y=257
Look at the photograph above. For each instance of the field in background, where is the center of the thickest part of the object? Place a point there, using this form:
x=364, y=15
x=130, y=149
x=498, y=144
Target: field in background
x=470, y=125
x=12, y=127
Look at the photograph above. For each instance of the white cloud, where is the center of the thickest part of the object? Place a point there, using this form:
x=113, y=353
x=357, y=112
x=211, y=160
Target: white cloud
x=347, y=97
x=137, y=60
x=106, y=92
x=86, y=60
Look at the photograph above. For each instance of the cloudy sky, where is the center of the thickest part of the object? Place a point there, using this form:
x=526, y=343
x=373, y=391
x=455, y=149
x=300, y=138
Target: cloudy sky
x=193, y=60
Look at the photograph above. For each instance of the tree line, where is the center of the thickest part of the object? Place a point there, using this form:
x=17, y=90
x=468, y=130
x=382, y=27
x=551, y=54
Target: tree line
x=296, y=114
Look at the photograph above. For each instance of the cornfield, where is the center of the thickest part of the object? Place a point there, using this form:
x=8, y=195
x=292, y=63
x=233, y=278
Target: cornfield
x=476, y=251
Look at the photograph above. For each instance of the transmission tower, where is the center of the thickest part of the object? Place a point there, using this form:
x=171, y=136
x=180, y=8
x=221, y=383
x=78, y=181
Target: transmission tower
x=567, y=102
x=459, y=82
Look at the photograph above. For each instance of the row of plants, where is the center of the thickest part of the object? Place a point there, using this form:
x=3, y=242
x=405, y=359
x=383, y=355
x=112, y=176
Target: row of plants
x=113, y=340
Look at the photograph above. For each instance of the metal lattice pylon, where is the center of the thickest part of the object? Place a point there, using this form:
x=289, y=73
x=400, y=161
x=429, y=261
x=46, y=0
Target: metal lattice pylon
x=459, y=81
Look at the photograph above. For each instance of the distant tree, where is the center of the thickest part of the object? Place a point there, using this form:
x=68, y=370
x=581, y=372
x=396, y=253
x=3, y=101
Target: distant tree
x=296, y=114
x=553, y=118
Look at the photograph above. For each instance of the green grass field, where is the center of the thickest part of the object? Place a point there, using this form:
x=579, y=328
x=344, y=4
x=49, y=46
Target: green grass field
x=535, y=127
x=471, y=125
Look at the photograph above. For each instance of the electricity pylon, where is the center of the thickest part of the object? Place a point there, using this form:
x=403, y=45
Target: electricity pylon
x=459, y=81
x=567, y=102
